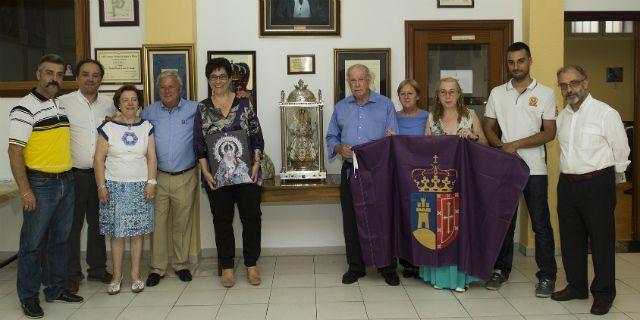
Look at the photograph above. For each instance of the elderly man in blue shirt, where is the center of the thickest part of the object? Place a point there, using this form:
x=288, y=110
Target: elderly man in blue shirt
x=362, y=117
x=172, y=117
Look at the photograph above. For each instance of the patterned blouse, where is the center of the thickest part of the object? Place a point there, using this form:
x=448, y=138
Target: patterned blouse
x=437, y=128
x=209, y=120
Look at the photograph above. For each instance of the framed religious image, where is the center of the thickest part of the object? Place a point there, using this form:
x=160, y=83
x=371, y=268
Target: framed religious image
x=299, y=18
x=455, y=3
x=69, y=72
x=229, y=157
x=121, y=65
x=119, y=13
x=301, y=64
x=158, y=58
x=243, y=66
x=378, y=61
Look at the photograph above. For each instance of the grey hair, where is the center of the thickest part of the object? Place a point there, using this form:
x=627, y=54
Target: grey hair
x=50, y=58
x=362, y=66
x=572, y=67
x=169, y=73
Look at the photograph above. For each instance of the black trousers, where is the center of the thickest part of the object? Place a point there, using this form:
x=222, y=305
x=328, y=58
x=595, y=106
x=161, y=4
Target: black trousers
x=222, y=200
x=586, y=216
x=86, y=206
x=350, y=226
x=535, y=195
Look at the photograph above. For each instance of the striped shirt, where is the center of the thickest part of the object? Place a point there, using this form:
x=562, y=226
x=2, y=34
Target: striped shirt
x=40, y=125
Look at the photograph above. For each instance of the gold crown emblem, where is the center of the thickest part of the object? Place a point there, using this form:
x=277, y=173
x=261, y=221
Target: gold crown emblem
x=434, y=179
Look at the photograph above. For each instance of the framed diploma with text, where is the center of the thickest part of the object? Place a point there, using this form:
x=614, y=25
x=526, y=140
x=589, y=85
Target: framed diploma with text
x=119, y=13
x=301, y=64
x=121, y=65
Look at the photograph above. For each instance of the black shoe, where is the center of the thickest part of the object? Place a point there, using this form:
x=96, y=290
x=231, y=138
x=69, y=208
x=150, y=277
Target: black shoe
x=410, y=272
x=600, y=307
x=153, y=279
x=545, y=288
x=67, y=296
x=496, y=281
x=567, y=294
x=32, y=309
x=184, y=275
x=352, y=276
x=391, y=278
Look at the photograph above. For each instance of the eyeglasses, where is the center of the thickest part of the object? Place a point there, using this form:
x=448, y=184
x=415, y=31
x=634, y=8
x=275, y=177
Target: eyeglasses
x=223, y=77
x=447, y=93
x=573, y=84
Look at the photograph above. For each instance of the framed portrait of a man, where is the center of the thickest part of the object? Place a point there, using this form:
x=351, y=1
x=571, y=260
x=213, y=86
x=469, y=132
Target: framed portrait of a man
x=378, y=61
x=158, y=58
x=299, y=18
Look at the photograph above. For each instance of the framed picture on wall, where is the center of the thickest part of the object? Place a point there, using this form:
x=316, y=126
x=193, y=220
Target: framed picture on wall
x=158, y=58
x=299, y=18
x=121, y=65
x=301, y=64
x=243, y=65
x=119, y=13
x=378, y=61
x=455, y=3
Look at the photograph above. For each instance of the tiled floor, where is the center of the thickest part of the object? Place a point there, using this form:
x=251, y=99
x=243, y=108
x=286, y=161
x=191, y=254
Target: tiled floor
x=309, y=287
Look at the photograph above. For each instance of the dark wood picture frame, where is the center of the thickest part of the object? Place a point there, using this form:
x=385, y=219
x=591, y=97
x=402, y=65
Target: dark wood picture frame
x=456, y=4
x=293, y=59
x=381, y=56
x=277, y=19
x=132, y=21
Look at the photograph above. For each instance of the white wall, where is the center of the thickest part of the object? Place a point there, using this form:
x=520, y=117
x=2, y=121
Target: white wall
x=601, y=5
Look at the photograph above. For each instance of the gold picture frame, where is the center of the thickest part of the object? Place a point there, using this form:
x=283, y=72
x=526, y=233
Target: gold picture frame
x=301, y=64
x=287, y=18
x=159, y=57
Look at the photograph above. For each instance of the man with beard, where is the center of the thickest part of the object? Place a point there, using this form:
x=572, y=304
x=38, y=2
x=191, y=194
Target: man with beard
x=87, y=110
x=362, y=117
x=594, y=155
x=518, y=109
x=40, y=158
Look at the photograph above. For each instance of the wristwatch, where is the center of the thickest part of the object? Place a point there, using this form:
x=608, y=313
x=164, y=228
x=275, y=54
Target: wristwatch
x=152, y=181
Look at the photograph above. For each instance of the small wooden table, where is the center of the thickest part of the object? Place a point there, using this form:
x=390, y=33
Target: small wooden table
x=327, y=191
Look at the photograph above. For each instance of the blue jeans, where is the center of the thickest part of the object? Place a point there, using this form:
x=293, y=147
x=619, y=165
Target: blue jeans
x=535, y=195
x=49, y=223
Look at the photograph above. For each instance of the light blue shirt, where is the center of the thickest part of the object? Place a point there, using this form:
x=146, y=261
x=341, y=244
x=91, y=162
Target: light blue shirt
x=353, y=124
x=173, y=134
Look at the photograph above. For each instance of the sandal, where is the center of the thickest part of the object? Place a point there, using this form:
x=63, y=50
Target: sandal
x=253, y=276
x=227, y=278
x=114, y=288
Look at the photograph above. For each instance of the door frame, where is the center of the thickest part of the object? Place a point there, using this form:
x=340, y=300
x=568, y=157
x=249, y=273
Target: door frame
x=413, y=26
x=634, y=244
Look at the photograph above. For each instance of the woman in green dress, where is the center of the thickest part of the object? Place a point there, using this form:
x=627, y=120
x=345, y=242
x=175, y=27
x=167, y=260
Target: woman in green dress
x=449, y=116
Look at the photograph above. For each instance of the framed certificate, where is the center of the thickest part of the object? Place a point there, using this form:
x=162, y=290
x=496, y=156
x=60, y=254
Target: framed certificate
x=301, y=64
x=455, y=3
x=121, y=65
x=119, y=13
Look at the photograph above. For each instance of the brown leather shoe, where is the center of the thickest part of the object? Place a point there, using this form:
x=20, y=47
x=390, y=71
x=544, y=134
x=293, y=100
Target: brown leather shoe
x=72, y=286
x=227, y=278
x=567, y=294
x=600, y=307
x=253, y=276
x=104, y=277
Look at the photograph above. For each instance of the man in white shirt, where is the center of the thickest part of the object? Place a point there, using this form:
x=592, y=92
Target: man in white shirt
x=594, y=155
x=86, y=110
x=519, y=108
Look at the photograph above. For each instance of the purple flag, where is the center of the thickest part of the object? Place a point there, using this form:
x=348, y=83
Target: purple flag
x=435, y=201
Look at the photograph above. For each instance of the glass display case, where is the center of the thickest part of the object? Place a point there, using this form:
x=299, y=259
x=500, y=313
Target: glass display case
x=301, y=125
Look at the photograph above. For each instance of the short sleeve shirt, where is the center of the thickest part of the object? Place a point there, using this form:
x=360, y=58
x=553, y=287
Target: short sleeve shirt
x=127, y=153
x=520, y=115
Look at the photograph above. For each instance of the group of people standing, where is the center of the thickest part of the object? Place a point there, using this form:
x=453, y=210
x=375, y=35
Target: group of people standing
x=132, y=172
x=128, y=172
x=520, y=118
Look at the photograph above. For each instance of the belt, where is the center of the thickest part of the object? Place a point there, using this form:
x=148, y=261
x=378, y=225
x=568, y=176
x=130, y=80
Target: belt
x=90, y=170
x=588, y=175
x=40, y=174
x=177, y=173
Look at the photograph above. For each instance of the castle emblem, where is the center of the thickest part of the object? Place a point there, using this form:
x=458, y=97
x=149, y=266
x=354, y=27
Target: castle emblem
x=435, y=208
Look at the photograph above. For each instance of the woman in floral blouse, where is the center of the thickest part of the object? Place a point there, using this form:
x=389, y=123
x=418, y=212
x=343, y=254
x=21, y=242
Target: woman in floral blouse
x=224, y=112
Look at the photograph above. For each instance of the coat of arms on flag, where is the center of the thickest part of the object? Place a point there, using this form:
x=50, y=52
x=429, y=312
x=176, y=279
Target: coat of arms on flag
x=435, y=208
